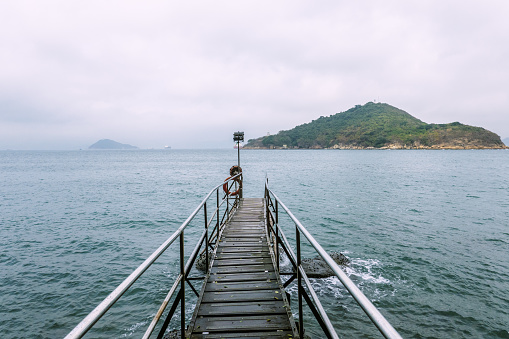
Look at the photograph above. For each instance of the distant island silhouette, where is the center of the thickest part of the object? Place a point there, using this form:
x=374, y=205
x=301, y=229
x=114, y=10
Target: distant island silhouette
x=110, y=144
x=378, y=126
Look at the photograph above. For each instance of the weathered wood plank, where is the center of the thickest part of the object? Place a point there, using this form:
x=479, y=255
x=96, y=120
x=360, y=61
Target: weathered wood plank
x=242, y=308
x=246, y=255
x=252, y=242
x=257, y=229
x=279, y=334
x=231, y=249
x=247, y=221
x=242, y=261
x=242, y=244
x=254, y=276
x=237, y=296
x=242, y=269
x=244, y=233
x=243, y=239
x=242, y=297
x=247, y=323
x=241, y=286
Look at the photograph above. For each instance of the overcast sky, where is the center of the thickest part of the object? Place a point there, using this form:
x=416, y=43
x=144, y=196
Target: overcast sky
x=189, y=74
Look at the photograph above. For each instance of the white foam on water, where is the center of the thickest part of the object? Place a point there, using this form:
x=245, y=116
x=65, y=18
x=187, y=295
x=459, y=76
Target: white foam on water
x=363, y=268
x=330, y=285
x=284, y=260
x=130, y=331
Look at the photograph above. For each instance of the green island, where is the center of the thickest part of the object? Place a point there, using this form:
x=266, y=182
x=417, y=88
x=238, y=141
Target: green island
x=378, y=126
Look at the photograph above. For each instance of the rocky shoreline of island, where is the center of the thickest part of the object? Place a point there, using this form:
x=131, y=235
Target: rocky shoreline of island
x=378, y=126
x=387, y=147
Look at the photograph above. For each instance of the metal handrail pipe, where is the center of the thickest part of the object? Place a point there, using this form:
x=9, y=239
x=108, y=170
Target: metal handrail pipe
x=292, y=257
x=187, y=269
x=371, y=311
x=318, y=305
x=189, y=264
x=216, y=210
x=213, y=215
x=315, y=298
x=99, y=311
x=159, y=313
x=89, y=321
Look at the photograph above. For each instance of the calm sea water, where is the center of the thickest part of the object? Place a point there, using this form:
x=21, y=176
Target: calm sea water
x=427, y=233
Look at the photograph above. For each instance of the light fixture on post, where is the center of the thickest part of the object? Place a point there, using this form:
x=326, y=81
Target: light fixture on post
x=238, y=137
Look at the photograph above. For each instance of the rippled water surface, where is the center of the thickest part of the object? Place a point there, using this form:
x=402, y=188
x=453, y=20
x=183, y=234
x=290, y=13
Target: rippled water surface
x=427, y=233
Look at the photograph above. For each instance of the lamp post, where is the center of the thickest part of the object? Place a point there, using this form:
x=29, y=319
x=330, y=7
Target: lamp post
x=238, y=137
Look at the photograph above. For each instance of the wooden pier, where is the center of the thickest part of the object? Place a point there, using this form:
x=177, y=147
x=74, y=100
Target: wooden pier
x=243, y=296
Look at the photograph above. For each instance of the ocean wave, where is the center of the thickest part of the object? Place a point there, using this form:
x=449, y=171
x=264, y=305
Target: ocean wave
x=133, y=328
x=364, y=272
x=363, y=269
x=495, y=240
x=75, y=225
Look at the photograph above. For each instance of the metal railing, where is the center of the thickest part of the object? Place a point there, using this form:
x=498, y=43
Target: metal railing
x=185, y=268
x=278, y=239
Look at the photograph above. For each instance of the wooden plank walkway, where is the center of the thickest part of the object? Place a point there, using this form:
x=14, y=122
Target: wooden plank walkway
x=243, y=296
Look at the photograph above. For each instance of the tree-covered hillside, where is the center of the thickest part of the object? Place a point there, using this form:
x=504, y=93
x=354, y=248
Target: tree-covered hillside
x=378, y=125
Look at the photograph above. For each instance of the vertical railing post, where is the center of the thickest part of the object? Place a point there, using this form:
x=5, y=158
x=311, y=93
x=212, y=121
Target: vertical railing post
x=217, y=213
x=241, y=187
x=227, y=206
x=239, y=196
x=182, y=289
x=277, y=217
x=277, y=236
x=267, y=213
x=299, y=279
x=266, y=198
x=206, y=236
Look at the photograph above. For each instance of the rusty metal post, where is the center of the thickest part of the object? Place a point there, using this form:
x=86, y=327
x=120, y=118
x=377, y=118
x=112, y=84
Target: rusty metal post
x=299, y=279
x=276, y=249
x=238, y=137
x=227, y=206
x=206, y=237
x=217, y=212
x=182, y=289
x=241, y=186
x=267, y=214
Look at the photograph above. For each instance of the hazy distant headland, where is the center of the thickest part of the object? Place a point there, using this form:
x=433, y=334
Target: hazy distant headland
x=506, y=141
x=378, y=126
x=110, y=144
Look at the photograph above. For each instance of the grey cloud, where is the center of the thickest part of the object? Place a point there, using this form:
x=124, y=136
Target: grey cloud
x=156, y=73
